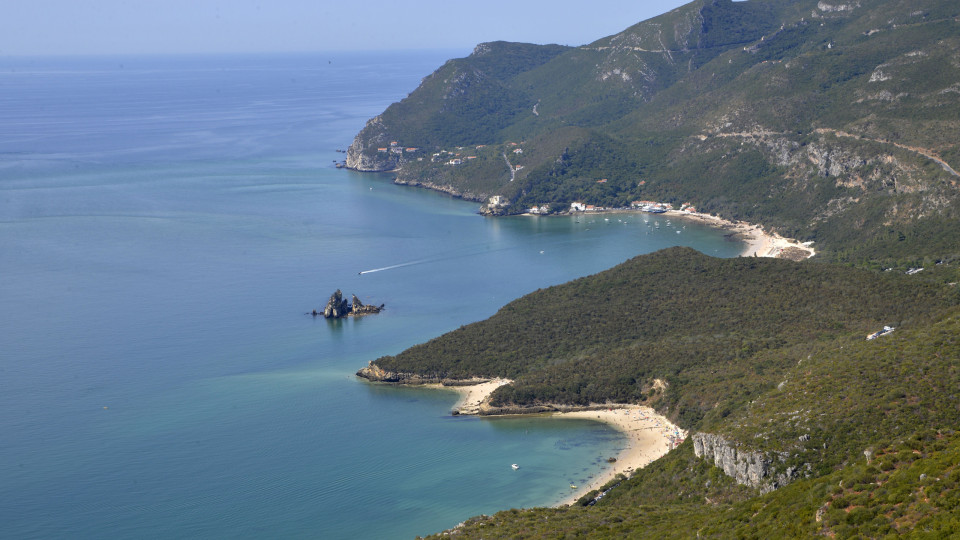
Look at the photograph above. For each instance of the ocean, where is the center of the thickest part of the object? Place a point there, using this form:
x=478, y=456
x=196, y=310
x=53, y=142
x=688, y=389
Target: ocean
x=168, y=223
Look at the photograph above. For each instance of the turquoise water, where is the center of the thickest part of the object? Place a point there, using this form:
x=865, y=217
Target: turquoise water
x=167, y=223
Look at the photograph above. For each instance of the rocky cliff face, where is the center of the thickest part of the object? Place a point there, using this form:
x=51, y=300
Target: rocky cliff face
x=748, y=468
x=362, y=155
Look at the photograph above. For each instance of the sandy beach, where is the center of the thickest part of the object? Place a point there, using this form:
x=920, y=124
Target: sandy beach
x=473, y=395
x=759, y=242
x=649, y=435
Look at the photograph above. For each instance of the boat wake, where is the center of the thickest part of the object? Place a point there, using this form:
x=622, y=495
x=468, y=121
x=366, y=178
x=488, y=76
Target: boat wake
x=391, y=267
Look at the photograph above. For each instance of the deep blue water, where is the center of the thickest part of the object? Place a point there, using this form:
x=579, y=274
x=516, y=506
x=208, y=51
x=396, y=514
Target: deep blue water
x=165, y=225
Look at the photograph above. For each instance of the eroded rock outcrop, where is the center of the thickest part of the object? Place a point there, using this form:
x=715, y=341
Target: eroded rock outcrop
x=754, y=469
x=359, y=308
x=375, y=373
x=360, y=157
x=338, y=307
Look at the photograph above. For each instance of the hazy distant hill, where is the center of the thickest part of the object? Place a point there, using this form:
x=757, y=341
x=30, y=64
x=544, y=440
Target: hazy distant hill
x=828, y=121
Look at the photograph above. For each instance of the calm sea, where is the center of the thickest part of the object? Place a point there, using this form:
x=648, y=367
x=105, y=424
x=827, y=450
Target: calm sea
x=165, y=226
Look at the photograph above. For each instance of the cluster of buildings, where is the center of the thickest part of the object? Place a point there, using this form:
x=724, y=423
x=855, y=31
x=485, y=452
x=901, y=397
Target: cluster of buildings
x=582, y=207
x=653, y=207
x=452, y=158
x=395, y=148
x=660, y=207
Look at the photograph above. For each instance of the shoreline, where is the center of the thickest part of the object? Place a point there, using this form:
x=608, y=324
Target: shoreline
x=649, y=436
x=471, y=396
x=759, y=243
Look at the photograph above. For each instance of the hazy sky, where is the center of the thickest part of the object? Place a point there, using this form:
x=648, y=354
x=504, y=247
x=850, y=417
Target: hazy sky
x=29, y=27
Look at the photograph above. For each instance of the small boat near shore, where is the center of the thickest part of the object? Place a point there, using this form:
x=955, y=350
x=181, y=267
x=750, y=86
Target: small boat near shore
x=514, y=466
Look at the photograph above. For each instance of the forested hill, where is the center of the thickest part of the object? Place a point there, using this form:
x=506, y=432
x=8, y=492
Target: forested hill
x=834, y=121
x=677, y=316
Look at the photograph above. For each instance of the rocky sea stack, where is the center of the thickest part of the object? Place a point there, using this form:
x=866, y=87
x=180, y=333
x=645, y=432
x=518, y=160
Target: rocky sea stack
x=338, y=307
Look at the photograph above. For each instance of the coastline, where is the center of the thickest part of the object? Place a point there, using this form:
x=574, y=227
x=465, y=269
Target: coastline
x=649, y=435
x=759, y=243
x=471, y=396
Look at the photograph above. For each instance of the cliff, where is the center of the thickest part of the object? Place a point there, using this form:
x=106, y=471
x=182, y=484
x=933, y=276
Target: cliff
x=754, y=469
x=363, y=154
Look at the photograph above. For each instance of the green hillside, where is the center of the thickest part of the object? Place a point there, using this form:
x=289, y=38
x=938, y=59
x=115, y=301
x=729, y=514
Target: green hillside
x=675, y=315
x=826, y=121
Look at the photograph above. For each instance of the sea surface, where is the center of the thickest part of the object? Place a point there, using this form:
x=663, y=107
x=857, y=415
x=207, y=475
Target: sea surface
x=166, y=225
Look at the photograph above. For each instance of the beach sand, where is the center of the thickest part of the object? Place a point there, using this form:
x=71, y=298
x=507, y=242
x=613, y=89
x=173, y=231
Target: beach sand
x=759, y=242
x=649, y=437
x=473, y=395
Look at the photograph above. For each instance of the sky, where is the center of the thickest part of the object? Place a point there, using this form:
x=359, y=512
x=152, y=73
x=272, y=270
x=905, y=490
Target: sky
x=61, y=27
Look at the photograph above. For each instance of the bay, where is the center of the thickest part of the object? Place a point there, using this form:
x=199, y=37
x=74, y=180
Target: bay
x=166, y=225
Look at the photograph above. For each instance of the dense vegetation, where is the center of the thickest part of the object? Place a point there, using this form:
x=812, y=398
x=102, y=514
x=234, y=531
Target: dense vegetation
x=675, y=315
x=826, y=121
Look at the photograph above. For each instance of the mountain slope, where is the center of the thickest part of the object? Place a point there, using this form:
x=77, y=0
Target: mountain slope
x=827, y=121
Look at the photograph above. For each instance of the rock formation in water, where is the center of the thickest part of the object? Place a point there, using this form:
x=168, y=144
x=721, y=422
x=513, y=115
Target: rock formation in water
x=358, y=308
x=338, y=307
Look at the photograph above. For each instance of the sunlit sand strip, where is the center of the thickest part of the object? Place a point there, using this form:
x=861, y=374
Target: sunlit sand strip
x=649, y=437
x=473, y=395
x=759, y=242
